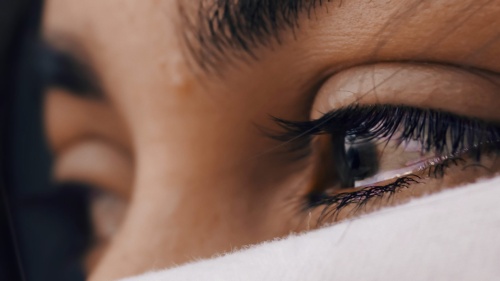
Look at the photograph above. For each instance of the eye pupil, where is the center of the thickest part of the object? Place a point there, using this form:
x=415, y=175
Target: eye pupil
x=362, y=160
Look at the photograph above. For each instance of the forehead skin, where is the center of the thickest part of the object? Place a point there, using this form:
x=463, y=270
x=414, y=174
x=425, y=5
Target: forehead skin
x=193, y=134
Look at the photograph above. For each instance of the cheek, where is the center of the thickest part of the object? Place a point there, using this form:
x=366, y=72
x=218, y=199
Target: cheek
x=169, y=223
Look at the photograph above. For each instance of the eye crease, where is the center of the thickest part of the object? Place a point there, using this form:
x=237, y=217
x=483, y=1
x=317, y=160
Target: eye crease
x=420, y=144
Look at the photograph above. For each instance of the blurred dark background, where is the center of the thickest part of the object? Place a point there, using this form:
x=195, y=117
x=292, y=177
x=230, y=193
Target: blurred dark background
x=35, y=241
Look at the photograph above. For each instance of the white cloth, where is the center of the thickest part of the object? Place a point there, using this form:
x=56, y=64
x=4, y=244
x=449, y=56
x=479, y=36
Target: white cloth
x=452, y=235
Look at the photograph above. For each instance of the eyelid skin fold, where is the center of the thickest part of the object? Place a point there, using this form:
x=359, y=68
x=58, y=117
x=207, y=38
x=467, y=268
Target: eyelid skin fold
x=431, y=86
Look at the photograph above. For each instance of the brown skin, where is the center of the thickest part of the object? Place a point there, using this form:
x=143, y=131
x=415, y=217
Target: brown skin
x=183, y=149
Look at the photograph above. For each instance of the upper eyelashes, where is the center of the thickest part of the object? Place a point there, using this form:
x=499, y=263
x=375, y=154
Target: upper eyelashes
x=437, y=131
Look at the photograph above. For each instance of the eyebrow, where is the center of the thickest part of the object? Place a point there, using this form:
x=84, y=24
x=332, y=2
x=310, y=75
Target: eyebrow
x=62, y=69
x=221, y=30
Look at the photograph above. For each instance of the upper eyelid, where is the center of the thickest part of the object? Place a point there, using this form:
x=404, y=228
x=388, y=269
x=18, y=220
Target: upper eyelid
x=297, y=129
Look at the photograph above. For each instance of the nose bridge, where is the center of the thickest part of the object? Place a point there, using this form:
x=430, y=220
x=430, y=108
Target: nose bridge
x=183, y=204
x=172, y=216
x=164, y=227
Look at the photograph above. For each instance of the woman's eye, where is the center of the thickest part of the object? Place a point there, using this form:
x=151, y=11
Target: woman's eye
x=379, y=150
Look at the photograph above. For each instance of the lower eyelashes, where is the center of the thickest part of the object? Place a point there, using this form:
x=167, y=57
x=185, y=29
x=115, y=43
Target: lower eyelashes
x=333, y=204
x=385, y=149
x=426, y=180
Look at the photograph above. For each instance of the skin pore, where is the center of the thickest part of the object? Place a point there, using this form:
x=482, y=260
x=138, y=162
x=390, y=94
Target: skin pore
x=178, y=145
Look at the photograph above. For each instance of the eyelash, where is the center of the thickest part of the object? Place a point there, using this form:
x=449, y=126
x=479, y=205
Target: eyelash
x=440, y=132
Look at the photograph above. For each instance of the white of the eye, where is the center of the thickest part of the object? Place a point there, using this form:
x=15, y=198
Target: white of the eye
x=414, y=168
x=386, y=176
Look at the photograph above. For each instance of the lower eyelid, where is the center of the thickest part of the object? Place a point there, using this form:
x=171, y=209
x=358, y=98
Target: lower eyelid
x=333, y=204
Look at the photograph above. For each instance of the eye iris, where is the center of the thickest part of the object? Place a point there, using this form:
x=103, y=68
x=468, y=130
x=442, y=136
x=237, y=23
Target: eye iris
x=362, y=160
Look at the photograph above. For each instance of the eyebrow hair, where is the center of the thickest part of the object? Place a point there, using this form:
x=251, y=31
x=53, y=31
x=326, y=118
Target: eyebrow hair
x=62, y=69
x=221, y=30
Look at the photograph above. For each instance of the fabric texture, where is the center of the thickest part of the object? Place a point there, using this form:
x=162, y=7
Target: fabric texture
x=452, y=235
